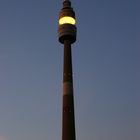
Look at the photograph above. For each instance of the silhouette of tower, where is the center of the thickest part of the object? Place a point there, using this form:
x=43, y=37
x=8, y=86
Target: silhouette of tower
x=67, y=36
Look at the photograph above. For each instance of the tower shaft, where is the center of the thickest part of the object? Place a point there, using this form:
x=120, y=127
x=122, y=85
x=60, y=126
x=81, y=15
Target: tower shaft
x=68, y=123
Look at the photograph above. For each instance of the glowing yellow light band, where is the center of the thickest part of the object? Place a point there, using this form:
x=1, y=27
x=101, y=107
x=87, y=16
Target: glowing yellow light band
x=67, y=20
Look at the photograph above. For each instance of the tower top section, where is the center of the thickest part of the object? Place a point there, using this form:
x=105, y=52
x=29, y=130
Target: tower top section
x=66, y=4
x=67, y=23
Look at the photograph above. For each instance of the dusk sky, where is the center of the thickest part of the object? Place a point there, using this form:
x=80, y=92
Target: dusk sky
x=106, y=67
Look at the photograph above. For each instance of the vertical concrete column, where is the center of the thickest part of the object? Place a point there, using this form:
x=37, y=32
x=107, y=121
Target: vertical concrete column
x=68, y=122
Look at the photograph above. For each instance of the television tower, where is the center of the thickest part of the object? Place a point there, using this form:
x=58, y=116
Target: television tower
x=67, y=36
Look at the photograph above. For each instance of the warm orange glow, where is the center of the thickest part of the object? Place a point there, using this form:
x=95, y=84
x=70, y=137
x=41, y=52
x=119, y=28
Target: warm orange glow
x=67, y=20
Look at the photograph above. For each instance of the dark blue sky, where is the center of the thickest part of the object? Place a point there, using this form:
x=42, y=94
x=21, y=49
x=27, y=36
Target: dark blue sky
x=106, y=65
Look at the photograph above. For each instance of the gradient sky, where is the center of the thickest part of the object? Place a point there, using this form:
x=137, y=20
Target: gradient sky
x=106, y=65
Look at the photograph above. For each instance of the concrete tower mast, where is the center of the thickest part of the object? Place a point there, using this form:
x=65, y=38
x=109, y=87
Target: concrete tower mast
x=67, y=36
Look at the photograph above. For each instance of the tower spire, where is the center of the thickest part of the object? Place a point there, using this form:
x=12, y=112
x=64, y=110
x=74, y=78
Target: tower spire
x=66, y=4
